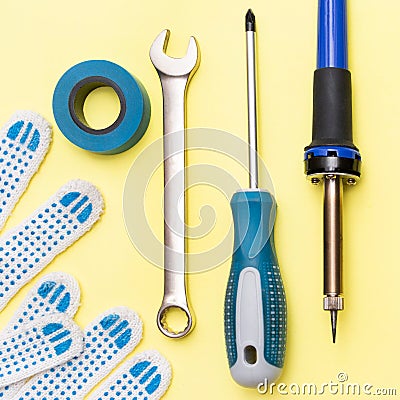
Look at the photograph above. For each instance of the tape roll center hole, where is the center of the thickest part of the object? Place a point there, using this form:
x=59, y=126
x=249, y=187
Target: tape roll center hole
x=101, y=108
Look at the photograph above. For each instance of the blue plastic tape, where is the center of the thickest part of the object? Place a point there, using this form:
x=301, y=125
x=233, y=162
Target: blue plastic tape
x=69, y=97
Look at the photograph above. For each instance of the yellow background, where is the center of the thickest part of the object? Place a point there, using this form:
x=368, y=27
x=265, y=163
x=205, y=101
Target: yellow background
x=41, y=39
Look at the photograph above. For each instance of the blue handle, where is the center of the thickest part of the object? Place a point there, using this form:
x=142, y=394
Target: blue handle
x=332, y=34
x=255, y=304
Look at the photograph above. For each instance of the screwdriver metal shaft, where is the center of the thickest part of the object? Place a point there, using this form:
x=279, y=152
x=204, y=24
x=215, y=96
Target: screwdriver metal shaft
x=252, y=98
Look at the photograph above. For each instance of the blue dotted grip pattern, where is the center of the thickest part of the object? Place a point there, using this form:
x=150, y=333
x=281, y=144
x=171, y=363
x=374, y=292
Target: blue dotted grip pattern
x=55, y=293
x=37, y=347
x=145, y=377
x=28, y=248
x=254, y=215
x=24, y=141
x=109, y=339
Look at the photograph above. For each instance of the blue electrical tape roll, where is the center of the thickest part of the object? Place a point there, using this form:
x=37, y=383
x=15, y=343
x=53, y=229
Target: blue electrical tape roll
x=69, y=97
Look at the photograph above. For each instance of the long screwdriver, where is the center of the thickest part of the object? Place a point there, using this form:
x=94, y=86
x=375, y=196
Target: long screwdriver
x=332, y=157
x=255, y=303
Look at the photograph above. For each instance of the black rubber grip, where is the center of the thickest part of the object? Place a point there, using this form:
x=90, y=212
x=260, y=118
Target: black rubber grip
x=332, y=121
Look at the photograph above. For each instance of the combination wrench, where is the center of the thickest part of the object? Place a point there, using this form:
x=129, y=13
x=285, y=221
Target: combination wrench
x=175, y=74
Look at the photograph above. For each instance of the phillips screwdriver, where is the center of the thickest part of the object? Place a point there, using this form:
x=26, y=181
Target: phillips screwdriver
x=255, y=303
x=332, y=158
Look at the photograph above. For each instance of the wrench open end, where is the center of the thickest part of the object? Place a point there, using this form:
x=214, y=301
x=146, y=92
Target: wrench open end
x=171, y=66
x=174, y=321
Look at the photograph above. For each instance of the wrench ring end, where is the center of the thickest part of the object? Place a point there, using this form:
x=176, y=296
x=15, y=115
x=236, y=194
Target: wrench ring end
x=163, y=324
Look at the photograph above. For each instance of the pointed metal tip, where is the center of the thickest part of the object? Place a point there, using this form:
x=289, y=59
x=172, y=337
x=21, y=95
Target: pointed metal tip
x=250, y=15
x=250, y=21
x=334, y=324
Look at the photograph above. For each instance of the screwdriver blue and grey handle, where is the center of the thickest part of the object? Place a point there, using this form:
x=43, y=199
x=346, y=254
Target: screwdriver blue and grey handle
x=255, y=304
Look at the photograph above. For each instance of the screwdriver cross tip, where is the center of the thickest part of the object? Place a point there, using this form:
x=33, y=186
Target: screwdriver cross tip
x=250, y=21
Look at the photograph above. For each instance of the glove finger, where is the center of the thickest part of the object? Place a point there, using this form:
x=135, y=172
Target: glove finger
x=57, y=292
x=54, y=293
x=49, y=341
x=24, y=142
x=28, y=248
x=108, y=340
x=146, y=376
